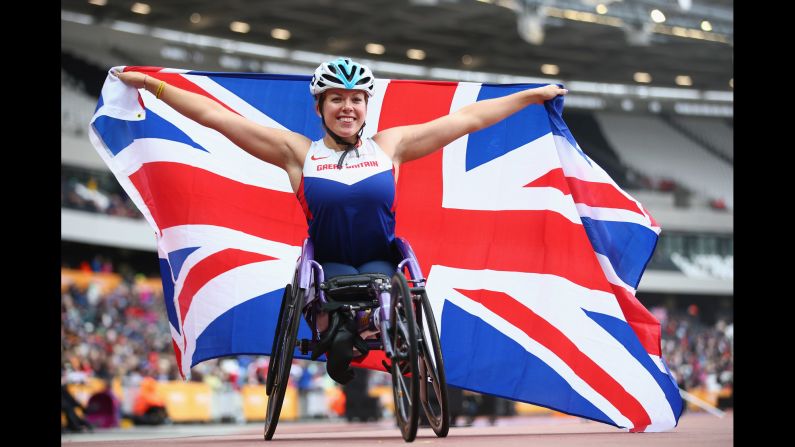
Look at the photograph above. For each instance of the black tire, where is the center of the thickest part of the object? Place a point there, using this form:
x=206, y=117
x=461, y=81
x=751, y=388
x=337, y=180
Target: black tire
x=404, y=365
x=279, y=322
x=282, y=359
x=433, y=381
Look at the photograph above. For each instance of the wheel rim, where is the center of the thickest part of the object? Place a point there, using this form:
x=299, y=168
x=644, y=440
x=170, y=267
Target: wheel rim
x=432, y=375
x=405, y=373
x=275, y=348
x=400, y=363
x=283, y=362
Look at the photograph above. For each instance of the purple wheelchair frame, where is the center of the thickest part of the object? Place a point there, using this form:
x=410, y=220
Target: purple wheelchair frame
x=309, y=275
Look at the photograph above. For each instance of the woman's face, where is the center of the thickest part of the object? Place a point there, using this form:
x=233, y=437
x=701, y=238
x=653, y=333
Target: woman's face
x=344, y=111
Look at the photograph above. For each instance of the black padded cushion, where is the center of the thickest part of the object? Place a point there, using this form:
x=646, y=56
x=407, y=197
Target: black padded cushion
x=352, y=287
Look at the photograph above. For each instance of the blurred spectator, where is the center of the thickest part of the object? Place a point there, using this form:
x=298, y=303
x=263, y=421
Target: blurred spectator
x=455, y=401
x=359, y=405
x=718, y=204
x=103, y=409
x=682, y=196
x=149, y=408
x=69, y=406
x=666, y=185
x=476, y=404
x=337, y=401
x=304, y=385
x=231, y=371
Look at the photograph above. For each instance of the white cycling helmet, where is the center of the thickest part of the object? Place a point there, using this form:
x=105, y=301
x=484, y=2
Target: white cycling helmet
x=342, y=73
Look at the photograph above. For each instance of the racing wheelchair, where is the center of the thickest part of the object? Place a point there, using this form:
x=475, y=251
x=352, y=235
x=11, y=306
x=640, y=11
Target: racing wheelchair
x=391, y=314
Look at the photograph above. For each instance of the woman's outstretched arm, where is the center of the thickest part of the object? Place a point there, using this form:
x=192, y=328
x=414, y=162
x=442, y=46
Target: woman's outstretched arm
x=406, y=143
x=282, y=148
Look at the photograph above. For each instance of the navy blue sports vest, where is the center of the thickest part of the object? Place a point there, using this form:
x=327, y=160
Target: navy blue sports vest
x=350, y=211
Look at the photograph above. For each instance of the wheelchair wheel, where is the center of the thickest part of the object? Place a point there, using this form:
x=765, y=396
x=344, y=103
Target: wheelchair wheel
x=405, y=371
x=272, y=371
x=282, y=355
x=433, y=383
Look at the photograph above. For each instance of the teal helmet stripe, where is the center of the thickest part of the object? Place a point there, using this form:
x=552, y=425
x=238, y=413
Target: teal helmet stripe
x=348, y=72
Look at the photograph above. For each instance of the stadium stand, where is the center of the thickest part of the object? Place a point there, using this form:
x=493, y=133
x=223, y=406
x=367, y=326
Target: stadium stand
x=650, y=146
x=715, y=134
x=77, y=107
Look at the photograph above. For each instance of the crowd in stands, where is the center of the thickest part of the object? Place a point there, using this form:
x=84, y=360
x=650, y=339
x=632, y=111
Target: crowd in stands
x=121, y=333
x=699, y=355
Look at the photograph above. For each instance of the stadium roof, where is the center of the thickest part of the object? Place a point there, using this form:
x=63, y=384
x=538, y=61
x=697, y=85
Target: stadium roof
x=513, y=37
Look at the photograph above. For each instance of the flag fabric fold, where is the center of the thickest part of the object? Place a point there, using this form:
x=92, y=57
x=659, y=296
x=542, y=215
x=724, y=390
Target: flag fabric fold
x=532, y=252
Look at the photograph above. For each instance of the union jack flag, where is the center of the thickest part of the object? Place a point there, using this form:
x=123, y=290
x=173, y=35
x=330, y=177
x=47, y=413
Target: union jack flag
x=531, y=251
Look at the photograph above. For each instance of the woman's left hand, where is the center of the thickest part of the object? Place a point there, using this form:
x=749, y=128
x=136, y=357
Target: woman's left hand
x=550, y=91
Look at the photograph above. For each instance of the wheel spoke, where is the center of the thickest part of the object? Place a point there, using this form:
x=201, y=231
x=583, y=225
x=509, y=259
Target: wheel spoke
x=405, y=390
x=432, y=379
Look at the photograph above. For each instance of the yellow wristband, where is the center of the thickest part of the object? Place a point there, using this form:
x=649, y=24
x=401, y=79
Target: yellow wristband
x=160, y=89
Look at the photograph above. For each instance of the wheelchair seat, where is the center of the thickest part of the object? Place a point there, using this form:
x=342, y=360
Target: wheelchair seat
x=353, y=287
x=351, y=300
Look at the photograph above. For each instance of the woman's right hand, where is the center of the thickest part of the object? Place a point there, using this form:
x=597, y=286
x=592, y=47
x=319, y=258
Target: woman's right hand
x=132, y=78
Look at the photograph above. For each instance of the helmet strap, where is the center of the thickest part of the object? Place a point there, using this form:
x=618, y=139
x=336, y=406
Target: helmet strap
x=338, y=139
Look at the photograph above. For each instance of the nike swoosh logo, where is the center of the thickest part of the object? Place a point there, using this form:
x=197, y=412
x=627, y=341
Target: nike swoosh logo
x=316, y=159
